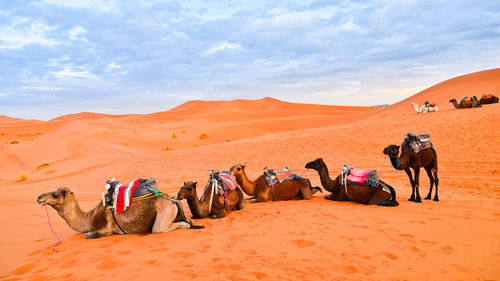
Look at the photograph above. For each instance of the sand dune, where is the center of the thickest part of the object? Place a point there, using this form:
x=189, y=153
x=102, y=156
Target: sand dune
x=454, y=239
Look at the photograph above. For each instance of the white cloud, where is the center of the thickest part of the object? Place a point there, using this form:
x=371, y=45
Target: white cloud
x=41, y=88
x=70, y=71
x=112, y=66
x=222, y=46
x=108, y=6
x=77, y=33
x=20, y=34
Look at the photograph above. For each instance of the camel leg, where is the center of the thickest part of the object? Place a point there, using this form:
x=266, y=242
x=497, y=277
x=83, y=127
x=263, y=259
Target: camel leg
x=165, y=217
x=408, y=172
x=436, y=180
x=417, y=175
x=241, y=200
x=431, y=178
x=306, y=191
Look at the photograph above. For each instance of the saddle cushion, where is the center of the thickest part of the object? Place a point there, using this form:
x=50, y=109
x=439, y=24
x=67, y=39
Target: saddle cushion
x=467, y=100
x=432, y=104
x=487, y=96
x=274, y=178
x=228, y=179
x=357, y=175
x=124, y=198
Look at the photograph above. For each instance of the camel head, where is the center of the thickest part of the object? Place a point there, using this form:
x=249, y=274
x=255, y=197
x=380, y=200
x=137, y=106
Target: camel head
x=392, y=150
x=316, y=164
x=238, y=169
x=453, y=100
x=57, y=198
x=187, y=191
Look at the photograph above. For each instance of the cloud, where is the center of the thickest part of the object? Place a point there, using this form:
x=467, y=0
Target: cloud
x=41, y=88
x=223, y=46
x=77, y=33
x=70, y=71
x=24, y=31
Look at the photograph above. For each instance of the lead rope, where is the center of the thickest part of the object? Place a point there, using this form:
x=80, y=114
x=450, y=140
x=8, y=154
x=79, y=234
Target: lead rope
x=53, y=232
x=214, y=186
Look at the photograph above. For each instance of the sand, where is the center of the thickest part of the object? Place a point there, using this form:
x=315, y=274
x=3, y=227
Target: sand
x=457, y=238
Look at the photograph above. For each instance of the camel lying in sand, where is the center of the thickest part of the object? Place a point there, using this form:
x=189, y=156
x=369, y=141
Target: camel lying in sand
x=154, y=215
x=426, y=107
x=298, y=188
x=466, y=103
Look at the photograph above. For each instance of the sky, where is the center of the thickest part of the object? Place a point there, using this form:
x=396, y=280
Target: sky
x=62, y=56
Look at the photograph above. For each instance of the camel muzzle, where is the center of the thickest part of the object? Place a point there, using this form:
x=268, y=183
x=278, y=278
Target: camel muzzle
x=41, y=200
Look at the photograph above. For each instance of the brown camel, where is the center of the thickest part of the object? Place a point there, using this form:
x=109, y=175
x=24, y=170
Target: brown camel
x=472, y=102
x=488, y=99
x=426, y=158
x=364, y=194
x=297, y=188
x=220, y=206
x=156, y=214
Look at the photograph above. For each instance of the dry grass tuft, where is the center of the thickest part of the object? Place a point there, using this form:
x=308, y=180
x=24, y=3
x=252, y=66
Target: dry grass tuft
x=14, y=142
x=167, y=148
x=174, y=136
x=23, y=176
x=203, y=136
x=42, y=165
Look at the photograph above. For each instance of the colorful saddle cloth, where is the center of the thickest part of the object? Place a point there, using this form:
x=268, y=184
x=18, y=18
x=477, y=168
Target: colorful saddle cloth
x=485, y=96
x=228, y=179
x=358, y=176
x=119, y=196
x=274, y=178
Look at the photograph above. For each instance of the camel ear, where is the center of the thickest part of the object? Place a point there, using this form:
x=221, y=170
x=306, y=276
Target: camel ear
x=64, y=193
x=243, y=166
x=194, y=184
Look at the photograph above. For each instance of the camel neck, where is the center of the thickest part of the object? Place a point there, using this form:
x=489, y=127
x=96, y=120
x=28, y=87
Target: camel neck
x=198, y=209
x=401, y=162
x=77, y=219
x=247, y=185
x=324, y=176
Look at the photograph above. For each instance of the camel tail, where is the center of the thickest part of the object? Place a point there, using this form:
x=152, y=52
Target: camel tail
x=392, y=202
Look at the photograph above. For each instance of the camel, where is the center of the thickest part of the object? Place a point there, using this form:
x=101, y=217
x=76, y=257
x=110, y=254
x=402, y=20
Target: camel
x=463, y=104
x=297, y=188
x=426, y=107
x=488, y=99
x=364, y=194
x=220, y=208
x=155, y=214
x=426, y=158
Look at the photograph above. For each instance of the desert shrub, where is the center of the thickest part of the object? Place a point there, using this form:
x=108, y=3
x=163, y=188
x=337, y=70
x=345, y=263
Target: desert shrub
x=203, y=136
x=22, y=176
x=14, y=142
x=174, y=136
x=42, y=165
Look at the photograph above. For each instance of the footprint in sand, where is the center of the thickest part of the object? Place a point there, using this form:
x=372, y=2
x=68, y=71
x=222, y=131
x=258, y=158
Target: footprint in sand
x=350, y=269
x=107, y=264
x=414, y=249
x=390, y=256
x=447, y=249
x=259, y=275
x=23, y=269
x=301, y=243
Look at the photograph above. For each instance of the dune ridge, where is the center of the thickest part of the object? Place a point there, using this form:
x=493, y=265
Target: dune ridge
x=454, y=239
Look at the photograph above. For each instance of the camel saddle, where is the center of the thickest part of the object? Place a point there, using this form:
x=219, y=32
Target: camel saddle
x=119, y=196
x=355, y=176
x=226, y=181
x=487, y=96
x=417, y=143
x=274, y=178
x=468, y=99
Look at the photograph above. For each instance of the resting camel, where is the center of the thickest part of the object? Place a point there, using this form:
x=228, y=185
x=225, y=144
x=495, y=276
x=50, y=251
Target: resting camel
x=200, y=208
x=426, y=107
x=364, y=194
x=487, y=99
x=472, y=103
x=297, y=188
x=426, y=158
x=156, y=214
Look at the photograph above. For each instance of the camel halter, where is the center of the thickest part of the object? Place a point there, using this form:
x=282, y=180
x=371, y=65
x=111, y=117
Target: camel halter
x=50, y=225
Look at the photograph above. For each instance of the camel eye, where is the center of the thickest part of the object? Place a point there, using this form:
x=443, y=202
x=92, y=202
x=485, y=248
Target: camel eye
x=239, y=168
x=54, y=195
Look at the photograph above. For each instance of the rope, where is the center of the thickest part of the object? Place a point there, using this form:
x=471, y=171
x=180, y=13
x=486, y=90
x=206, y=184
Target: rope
x=397, y=161
x=53, y=232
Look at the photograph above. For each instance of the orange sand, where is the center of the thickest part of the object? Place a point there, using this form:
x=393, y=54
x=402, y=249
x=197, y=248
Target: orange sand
x=457, y=238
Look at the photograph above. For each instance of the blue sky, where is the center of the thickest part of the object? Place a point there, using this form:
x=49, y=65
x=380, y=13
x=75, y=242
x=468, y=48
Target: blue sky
x=62, y=56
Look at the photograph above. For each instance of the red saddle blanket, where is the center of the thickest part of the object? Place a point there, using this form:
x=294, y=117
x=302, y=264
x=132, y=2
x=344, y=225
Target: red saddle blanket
x=285, y=173
x=467, y=100
x=432, y=104
x=229, y=180
x=357, y=175
x=487, y=96
x=124, y=198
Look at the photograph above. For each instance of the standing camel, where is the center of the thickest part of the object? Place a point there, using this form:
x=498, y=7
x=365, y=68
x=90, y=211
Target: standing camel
x=297, y=188
x=426, y=107
x=426, y=158
x=466, y=103
x=221, y=205
x=154, y=215
x=357, y=193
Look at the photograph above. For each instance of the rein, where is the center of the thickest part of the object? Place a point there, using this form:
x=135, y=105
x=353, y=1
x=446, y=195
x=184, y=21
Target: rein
x=53, y=232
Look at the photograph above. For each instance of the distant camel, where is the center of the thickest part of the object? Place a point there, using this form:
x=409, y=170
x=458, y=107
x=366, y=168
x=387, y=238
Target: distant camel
x=297, y=188
x=426, y=158
x=221, y=204
x=487, y=99
x=426, y=107
x=364, y=194
x=466, y=103
x=156, y=215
